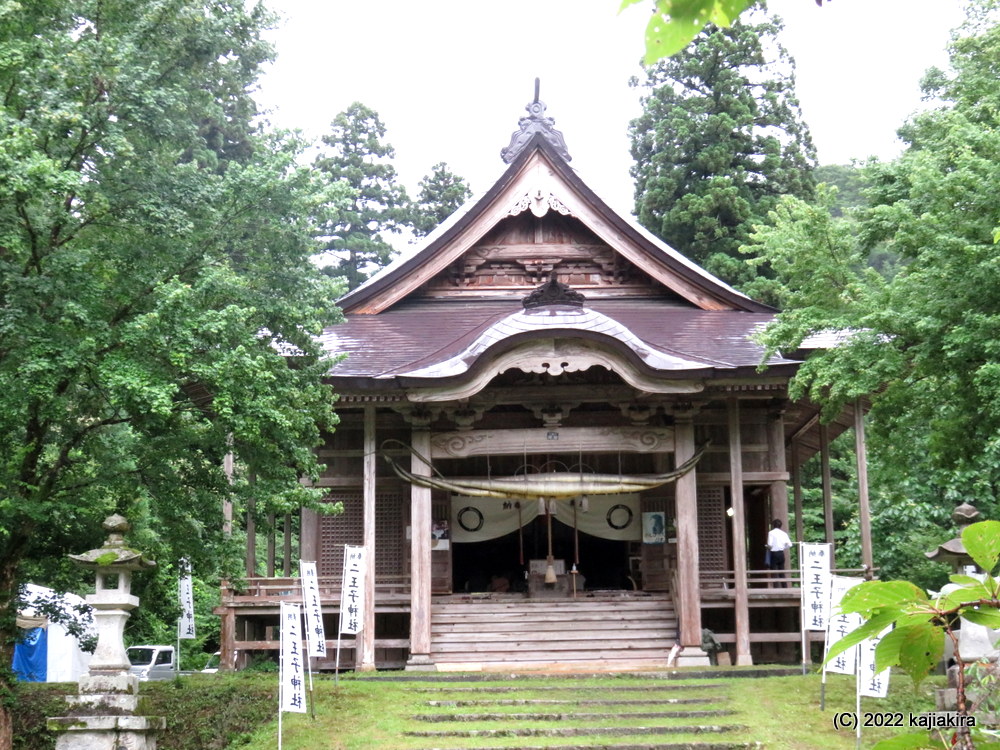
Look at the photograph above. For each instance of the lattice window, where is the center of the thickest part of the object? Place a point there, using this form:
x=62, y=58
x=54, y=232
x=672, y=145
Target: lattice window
x=348, y=528
x=711, y=528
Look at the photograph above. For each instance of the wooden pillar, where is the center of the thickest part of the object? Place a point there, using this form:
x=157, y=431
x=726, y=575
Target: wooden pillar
x=797, y=489
x=227, y=503
x=287, y=549
x=688, y=591
x=779, y=489
x=741, y=599
x=864, y=512
x=421, y=522
x=309, y=521
x=227, y=640
x=366, y=652
x=271, y=534
x=251, y=552
x=824, y=453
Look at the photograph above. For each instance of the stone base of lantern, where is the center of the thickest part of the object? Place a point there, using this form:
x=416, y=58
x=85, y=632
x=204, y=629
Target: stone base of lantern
x=106, y=732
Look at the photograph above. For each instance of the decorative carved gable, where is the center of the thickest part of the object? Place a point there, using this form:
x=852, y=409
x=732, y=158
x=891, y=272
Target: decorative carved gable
x=524, y=250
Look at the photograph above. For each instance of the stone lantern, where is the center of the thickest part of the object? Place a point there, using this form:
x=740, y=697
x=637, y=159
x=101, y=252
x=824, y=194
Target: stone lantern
x=108, y=691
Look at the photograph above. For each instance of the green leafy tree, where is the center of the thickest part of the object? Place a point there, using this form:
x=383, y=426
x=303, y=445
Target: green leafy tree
x=441, y=194
x=158, y=306
x=719, y=141
x=849, y=179
x=360, y=158
x=921, y=337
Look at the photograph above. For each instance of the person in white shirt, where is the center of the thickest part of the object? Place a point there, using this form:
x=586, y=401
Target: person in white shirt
x=777, y=543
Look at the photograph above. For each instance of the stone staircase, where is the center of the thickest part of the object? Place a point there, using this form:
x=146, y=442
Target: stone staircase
x=651, y=712
x=595, y=632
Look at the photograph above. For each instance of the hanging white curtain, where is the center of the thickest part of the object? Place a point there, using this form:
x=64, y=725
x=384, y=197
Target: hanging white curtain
x=608, y=517
x=479, y=519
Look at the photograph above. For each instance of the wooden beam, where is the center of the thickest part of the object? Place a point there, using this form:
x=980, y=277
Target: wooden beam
x=749, y=477
x=864, y=512
x=742, y=611
x=555, y=440
x=421, y=521
x=687, y=593
x=366, y=654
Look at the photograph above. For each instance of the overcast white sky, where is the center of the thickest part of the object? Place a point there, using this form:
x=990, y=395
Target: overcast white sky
x=450, y=78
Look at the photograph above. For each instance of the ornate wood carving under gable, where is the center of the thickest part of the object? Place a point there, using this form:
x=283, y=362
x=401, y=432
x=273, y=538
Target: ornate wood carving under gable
x=523, y=252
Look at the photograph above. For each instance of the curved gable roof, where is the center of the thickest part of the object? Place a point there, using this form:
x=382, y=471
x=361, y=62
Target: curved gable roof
x=539, y=179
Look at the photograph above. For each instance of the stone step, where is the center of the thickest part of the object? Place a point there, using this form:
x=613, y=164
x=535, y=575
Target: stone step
x=569, y=687
x=571, y=716
x=547, y=702
x=633, y=746
x=583, y=731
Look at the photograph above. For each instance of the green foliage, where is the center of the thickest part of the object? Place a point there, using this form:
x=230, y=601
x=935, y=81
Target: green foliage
x=441, y=194
x=919, y=332
x=676, y=22
x=360, y=159
x=155, y=269
x=849, y=179
x=203, y=712
x=921, y=623
x=720, y=139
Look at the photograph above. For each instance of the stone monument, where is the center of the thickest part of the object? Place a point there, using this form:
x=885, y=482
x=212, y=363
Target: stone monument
x=102, y=716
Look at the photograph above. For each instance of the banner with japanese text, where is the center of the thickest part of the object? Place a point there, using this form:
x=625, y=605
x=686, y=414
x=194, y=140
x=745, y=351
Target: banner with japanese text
x=313, y=609
x=872, y=684
x=815, y=570
x=352, y=595
x=840, y=624
x=185, y=594
x=292, y=692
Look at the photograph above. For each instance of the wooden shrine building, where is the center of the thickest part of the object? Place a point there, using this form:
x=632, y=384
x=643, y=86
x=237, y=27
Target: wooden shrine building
x=515, y=396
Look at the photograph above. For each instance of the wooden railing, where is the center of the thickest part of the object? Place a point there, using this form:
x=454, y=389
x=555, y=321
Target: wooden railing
x=720, y=583
x=277, y=589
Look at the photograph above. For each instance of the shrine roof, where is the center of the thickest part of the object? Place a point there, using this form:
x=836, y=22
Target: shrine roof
x=539, y=173
x=433, y=338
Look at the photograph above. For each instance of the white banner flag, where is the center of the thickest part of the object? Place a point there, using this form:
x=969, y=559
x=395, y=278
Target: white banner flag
x=314, y=611
x=292, y=693
x=185, y=594
x=871, y=683
x=840, y=625
x=352, y=595
x=815, y=568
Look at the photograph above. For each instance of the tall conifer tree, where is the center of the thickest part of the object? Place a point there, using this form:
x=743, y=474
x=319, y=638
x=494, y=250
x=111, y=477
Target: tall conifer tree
x=720, y=139
x=442, y=192
x=361, y=158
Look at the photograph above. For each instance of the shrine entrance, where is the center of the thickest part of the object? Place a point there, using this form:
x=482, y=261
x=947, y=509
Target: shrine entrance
x=595, y=536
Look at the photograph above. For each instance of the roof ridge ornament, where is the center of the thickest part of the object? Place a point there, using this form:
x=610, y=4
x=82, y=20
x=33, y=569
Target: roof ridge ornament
x=553, y=292
x=535, y=122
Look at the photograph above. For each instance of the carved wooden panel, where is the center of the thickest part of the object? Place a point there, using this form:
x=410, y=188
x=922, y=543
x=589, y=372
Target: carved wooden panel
x=348, y=528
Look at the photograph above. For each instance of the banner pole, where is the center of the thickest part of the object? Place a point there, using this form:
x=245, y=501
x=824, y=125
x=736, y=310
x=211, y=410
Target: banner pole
x=336, y=669
x=857, y=698
x=281, y=689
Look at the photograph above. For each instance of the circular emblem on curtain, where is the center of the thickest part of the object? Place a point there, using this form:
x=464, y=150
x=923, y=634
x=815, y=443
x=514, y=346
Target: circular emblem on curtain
x=619, y=516
x=470, y=519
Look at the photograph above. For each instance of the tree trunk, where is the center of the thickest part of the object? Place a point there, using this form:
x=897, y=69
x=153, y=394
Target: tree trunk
x=8, y=635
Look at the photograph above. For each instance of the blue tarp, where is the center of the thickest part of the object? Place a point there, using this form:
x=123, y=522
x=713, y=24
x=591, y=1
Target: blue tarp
x=31, y=656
